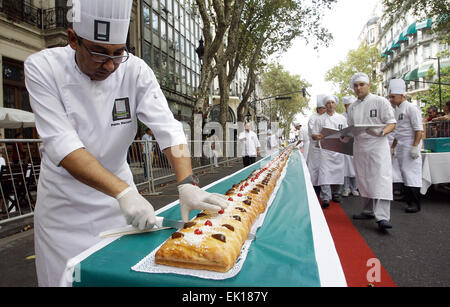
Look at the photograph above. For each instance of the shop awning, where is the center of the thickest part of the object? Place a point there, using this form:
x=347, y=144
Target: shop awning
x=395, y=45
x=423, y=70
x=411, y=30
x=426, y=24
x=412, y=75
x=402, y=38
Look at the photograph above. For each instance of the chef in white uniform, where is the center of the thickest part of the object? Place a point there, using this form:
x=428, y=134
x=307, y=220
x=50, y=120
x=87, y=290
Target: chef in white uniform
x=371, y=152
x=350, y=185
x=272, y=146
x=313, y=160
x=86, y=98
x=251, y=147
x=407, y=143
x=332, y=164
x=302, y=138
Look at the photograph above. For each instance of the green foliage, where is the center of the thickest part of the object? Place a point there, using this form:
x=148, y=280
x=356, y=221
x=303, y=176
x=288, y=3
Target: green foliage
x=431, y=97
x=364, y=59
x=276, y=80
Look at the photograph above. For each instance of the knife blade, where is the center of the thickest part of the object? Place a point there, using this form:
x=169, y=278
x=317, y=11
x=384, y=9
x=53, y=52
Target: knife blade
x=165, y=222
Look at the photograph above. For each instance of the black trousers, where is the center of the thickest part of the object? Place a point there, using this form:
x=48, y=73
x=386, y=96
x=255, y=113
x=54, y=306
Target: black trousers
x=412, y=196
x=247, y=160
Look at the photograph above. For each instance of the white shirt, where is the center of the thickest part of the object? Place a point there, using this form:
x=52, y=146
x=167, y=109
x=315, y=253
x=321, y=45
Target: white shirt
x=251, y=143
x=335, y=122
x=409, y=120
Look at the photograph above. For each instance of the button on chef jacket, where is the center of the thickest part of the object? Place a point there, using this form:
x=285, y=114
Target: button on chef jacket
x=409, y=120
x=371, y=154
x=332, y=164
x=75, y=112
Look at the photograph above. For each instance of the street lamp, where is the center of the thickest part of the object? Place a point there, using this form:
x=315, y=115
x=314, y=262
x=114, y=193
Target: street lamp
x=439, y=77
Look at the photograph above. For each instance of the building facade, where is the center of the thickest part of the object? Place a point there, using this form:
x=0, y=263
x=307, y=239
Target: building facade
x=410, y=49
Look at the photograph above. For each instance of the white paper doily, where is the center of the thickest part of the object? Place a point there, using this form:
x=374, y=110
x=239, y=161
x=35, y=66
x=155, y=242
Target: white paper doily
x=148, y=265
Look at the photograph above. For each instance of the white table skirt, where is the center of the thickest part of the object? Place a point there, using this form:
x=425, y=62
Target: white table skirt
x=435, y=169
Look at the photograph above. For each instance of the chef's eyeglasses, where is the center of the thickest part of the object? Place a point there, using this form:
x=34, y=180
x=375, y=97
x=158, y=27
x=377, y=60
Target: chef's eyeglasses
x=103, y=58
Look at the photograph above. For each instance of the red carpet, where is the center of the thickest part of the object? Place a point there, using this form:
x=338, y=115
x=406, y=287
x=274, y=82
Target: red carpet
x=354, y=252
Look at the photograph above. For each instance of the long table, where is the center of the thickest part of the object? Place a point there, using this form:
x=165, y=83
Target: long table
x=294, y=246
x=435, y=169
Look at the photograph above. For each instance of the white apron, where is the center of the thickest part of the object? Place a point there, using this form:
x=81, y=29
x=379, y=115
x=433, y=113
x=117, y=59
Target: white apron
x=313, y=158
x=332, y=164
x=371, y=154
x=74, y=112
x=409, y=120
x=349, y=170
x=396, y=174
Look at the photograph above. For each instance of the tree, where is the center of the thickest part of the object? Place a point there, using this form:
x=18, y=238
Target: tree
x=364, y=59
x=275, y=81
x=431, y=96
x=439, y=10
x=243, y=32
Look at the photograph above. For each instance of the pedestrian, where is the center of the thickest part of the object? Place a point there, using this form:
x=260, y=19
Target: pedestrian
x=432, y=113
x=350, y=185
x=373, y=118
x=18, y=153
x=147, y=149
x=250, y=145
x=213, y=146
x=313, y=160
x=332, y=164
x=87, y=98
x=407, y=143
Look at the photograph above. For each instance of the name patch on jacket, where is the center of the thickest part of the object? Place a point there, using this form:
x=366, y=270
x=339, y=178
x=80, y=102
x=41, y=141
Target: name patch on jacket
x=373, y=113
x=400, y=117
x=121, y=109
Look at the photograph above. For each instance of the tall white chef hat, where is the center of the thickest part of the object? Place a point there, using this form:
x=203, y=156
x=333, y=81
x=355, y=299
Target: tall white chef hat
x=102, y=21
x=296, y=124
x=397, y=86
x=330, y=97
x=320, y=103
x=359, y=77
x=349, y=99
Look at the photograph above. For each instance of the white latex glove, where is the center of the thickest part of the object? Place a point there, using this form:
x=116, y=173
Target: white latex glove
x=375, y=131
x=192, y=197
x=415, y=152
x=394, y=152
x=136, y=209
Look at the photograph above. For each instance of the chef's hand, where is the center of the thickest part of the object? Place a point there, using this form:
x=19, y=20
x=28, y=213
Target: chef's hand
x=375, y=131
x=192, y=197
x=415, y=152
x=136, y=209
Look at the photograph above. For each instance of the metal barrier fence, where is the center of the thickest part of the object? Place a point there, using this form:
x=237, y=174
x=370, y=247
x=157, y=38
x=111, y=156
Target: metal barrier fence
x=437, y=129
x=20, y=168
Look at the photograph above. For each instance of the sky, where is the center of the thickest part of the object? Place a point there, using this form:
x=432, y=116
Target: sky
x=345, y=21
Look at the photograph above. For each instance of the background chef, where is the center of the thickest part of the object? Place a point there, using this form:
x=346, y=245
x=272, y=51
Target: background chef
x=331, y=166
x=313, y=160
x=371, y=152
x=407, y=143
x=87, y=97
x=350, y=185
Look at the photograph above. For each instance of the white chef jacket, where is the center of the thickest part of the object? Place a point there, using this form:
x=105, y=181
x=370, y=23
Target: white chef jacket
x=74, y=112
x=313, y=160
x=372, y=155
x=332, y=164
x=409, y=120
x=251, y=143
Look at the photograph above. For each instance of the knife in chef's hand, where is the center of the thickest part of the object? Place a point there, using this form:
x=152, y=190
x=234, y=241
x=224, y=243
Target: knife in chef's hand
x=161, y=223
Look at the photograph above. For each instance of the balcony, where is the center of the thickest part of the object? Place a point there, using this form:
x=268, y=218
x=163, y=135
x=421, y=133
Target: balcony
x=18, y=11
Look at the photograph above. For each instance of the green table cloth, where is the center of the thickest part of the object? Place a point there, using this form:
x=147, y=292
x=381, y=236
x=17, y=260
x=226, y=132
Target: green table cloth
x=282, y=255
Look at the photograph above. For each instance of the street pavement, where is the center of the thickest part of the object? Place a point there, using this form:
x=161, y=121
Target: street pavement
x=414, y=253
